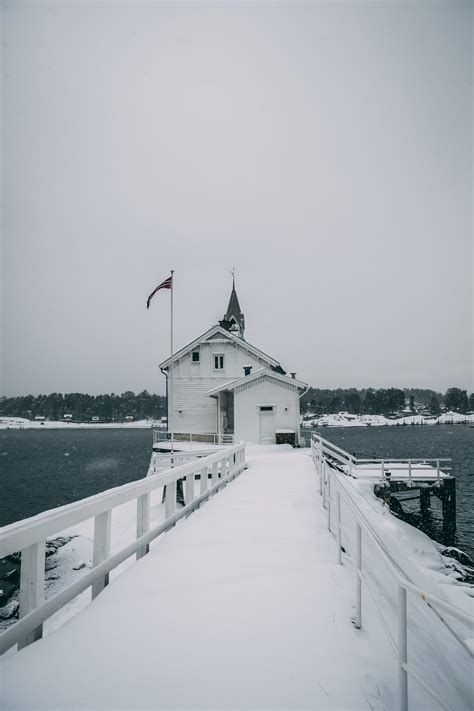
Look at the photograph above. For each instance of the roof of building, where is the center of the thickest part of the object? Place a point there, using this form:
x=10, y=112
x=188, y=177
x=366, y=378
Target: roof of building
x=233, y=308
x=260, y=373
x=228, y=335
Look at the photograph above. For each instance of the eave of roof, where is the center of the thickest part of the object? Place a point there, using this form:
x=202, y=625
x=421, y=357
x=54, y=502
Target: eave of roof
x=230, y=337
x=260, y=373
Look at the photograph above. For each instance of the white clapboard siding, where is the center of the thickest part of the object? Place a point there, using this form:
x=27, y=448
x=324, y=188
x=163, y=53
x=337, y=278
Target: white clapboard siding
x=192, y=382
x=198, y=410
x=284, y=397
x=235, y=357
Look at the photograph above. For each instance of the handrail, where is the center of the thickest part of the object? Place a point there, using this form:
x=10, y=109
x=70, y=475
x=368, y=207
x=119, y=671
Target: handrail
x=29, y=536
x=167, y=460
x=215, y=438
x=331, y=478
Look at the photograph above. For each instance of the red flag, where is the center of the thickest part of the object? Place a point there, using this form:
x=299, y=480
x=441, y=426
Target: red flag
x=166, y=284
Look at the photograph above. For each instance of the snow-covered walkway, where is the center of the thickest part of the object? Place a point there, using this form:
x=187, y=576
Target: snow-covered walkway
x=240, y=606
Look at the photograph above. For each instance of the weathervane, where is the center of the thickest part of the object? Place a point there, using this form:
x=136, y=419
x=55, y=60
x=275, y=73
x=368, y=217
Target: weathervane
x=232, y=271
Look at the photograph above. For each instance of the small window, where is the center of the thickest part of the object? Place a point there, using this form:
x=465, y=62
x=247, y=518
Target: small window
x=218, y=362
x=266, y=408
x=195, y=357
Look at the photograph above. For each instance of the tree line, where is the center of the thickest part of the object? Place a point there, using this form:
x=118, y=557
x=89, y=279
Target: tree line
x=116, y=408
x=84, y=407
x=385, y=401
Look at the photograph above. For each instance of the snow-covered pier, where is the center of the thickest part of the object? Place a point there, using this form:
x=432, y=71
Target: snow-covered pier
x=397, y=480
x=256, y=600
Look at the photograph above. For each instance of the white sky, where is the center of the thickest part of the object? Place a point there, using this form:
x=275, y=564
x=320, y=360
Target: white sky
x=323, y=149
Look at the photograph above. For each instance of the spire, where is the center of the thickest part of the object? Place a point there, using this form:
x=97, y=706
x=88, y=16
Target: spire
x=234, y=319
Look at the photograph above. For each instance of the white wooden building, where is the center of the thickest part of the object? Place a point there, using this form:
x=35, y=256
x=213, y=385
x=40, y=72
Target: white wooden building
x=222, y=384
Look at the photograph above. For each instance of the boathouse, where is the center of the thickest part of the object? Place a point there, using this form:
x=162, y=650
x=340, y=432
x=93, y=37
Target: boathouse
x=222, y=384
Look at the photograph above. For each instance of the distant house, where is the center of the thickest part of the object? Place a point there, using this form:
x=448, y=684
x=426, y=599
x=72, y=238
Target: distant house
x=40, y=418
x=68, y=418
x=95, y=419
x=129, y=418
x=222, y=384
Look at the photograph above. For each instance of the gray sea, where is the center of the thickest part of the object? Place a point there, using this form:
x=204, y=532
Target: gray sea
x=40, y=470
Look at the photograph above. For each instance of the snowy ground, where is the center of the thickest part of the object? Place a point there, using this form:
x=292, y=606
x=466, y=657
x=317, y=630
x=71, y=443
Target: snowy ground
x=20, y=423
x=242, y=606
x=344, y=419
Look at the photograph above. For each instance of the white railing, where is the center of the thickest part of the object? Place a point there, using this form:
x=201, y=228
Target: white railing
x=416, y=468
x=192, y=439
x=335, y=487
x=29, y=536
x=169, y=460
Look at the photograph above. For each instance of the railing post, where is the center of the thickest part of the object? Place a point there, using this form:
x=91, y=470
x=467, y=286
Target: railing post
x=324, y=484
x=329, y=499
x=338, y=531
x=409, y=473
x=102, y=527
x=203, y=480
x=143, y=521
x=32, y=586
x=437, y=469
x=358, y=552
x=170, y=501
x=402, y=649
x=320, y=467
x=214, y=474
x=189, y=489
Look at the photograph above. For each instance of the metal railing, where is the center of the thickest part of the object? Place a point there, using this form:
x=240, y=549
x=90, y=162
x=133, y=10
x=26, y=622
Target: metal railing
x=29, y=536
x=334, y=488
x=193, y=439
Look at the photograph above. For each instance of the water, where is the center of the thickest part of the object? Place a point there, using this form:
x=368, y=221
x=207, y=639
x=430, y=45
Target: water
x=431, y=441
x=40, y=470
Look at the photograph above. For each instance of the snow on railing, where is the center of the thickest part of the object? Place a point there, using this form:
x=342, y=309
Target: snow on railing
x=331, y=480
x=169, y=460
x=193, y=439
x=29, y=536
x=416, y=468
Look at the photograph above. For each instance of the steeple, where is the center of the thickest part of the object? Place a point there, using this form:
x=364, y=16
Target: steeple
x=234, y=320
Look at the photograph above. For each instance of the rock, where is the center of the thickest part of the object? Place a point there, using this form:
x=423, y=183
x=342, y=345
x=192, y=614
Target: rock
x=10, y=610
x=458, y=555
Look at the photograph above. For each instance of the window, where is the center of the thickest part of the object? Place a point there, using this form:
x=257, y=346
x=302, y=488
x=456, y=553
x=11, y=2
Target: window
x=218, y=362
x=195, y=357
x=266, y=408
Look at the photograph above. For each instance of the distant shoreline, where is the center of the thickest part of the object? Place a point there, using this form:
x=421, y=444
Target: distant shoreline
x=344, y=419
x=18, y=423
x=336, y=420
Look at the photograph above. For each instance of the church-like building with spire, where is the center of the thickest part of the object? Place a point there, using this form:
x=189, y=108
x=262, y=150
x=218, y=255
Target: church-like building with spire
x=234, y=320
x=221, y=384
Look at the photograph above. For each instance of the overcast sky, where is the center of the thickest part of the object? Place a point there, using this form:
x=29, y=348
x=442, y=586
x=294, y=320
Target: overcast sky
x=323, y=149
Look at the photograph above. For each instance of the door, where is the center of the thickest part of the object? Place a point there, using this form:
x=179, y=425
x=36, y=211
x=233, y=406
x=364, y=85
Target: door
x=267, y=428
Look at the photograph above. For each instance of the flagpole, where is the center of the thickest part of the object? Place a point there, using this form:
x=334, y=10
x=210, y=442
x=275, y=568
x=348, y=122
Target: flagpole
x=170, y=394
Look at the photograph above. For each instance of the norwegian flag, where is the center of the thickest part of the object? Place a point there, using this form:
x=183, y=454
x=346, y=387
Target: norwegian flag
x=166, y=284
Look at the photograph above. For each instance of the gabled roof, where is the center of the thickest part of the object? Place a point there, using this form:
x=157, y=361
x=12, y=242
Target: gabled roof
x=260, y=373
x=227, y=335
